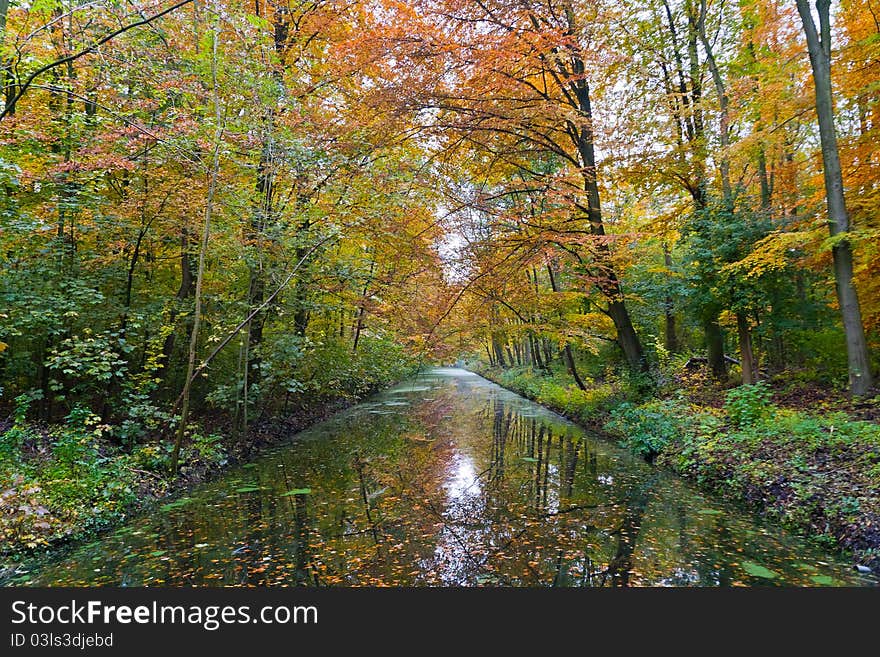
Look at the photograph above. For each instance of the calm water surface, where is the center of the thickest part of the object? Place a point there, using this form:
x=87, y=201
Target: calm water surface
x=447, y=480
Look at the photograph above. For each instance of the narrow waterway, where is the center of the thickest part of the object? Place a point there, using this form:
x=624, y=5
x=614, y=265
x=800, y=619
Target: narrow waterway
x=446, y=480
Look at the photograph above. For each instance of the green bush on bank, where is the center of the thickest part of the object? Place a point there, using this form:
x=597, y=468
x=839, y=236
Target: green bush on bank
x=560, y=394
x=818, y=473
x=66, y=480
x=650, y=428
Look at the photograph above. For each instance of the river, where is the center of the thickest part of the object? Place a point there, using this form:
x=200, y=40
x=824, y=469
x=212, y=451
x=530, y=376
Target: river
x=446, y=480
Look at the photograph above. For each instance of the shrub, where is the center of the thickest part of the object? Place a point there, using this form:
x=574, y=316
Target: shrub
x=210, y=448
x=649, y=428
x=13, y=438
x=748, y=404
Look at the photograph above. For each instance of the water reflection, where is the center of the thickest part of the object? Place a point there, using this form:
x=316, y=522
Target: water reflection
x=446, y=480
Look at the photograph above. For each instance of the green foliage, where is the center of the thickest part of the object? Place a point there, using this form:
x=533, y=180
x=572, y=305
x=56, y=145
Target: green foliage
x=647, y=429
x=560, y=394
x=800, y=467
x=820, y=349
x=79, y=484
x=746, y=405
x=12, y=440
x=210, y=448
x=330, y=368
x=92, y=361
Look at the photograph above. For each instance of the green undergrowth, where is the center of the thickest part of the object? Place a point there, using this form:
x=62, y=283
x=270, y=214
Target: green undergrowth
x=816, y=472
x=65, y=481
x=556, y=391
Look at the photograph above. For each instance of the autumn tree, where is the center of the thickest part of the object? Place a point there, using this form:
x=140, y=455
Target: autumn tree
x=819, y=48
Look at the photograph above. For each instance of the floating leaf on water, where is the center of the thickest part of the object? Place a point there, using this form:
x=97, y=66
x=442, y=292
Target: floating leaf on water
x=710, y=512
x=247, y=489
x=297, y=491
x=176, y=504
x=822, y=580
x=757, y=570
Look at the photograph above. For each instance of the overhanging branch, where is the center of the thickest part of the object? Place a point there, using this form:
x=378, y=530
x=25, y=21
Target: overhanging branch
x=85, y=51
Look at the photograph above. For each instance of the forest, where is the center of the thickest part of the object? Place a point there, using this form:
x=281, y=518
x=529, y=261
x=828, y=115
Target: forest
x=222, y=221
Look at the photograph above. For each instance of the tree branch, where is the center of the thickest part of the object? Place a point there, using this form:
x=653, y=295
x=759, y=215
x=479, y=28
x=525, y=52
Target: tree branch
x=70, y=58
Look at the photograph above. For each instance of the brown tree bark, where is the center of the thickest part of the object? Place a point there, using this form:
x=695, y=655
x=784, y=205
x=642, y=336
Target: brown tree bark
x=747, y=356
x=819, y=47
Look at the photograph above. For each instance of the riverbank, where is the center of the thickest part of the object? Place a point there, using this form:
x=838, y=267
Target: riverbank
x=815, y=472
x=65, y=483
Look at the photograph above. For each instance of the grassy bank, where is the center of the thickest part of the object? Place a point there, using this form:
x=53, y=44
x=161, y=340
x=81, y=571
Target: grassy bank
x=815, y=471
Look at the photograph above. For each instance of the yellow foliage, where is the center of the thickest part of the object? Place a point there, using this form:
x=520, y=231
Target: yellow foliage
x=769, y=255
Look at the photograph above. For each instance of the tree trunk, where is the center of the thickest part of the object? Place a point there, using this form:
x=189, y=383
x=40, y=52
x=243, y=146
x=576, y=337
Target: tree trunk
x=715, y=347
x=499, y=351
x=362, y=307
x=548, y=353
x=536, y=352
x=609, y=285
x=185, y=290
x=203, y=249
x=572, y=368
x=567, y=355
x=747, y=357
x=819, y=46
x=670, y=335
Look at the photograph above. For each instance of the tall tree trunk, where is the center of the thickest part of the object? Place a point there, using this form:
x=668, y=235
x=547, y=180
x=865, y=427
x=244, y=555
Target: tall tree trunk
x=536, y=352
x=362, y=307
x=572, y=368
x=548, y=353
x=724, y=102
x=582, y=136
x=510, y=358
x=7, y=76
x=498, y=349
x=819, y=47
x=260, y=217
x=747, y=356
